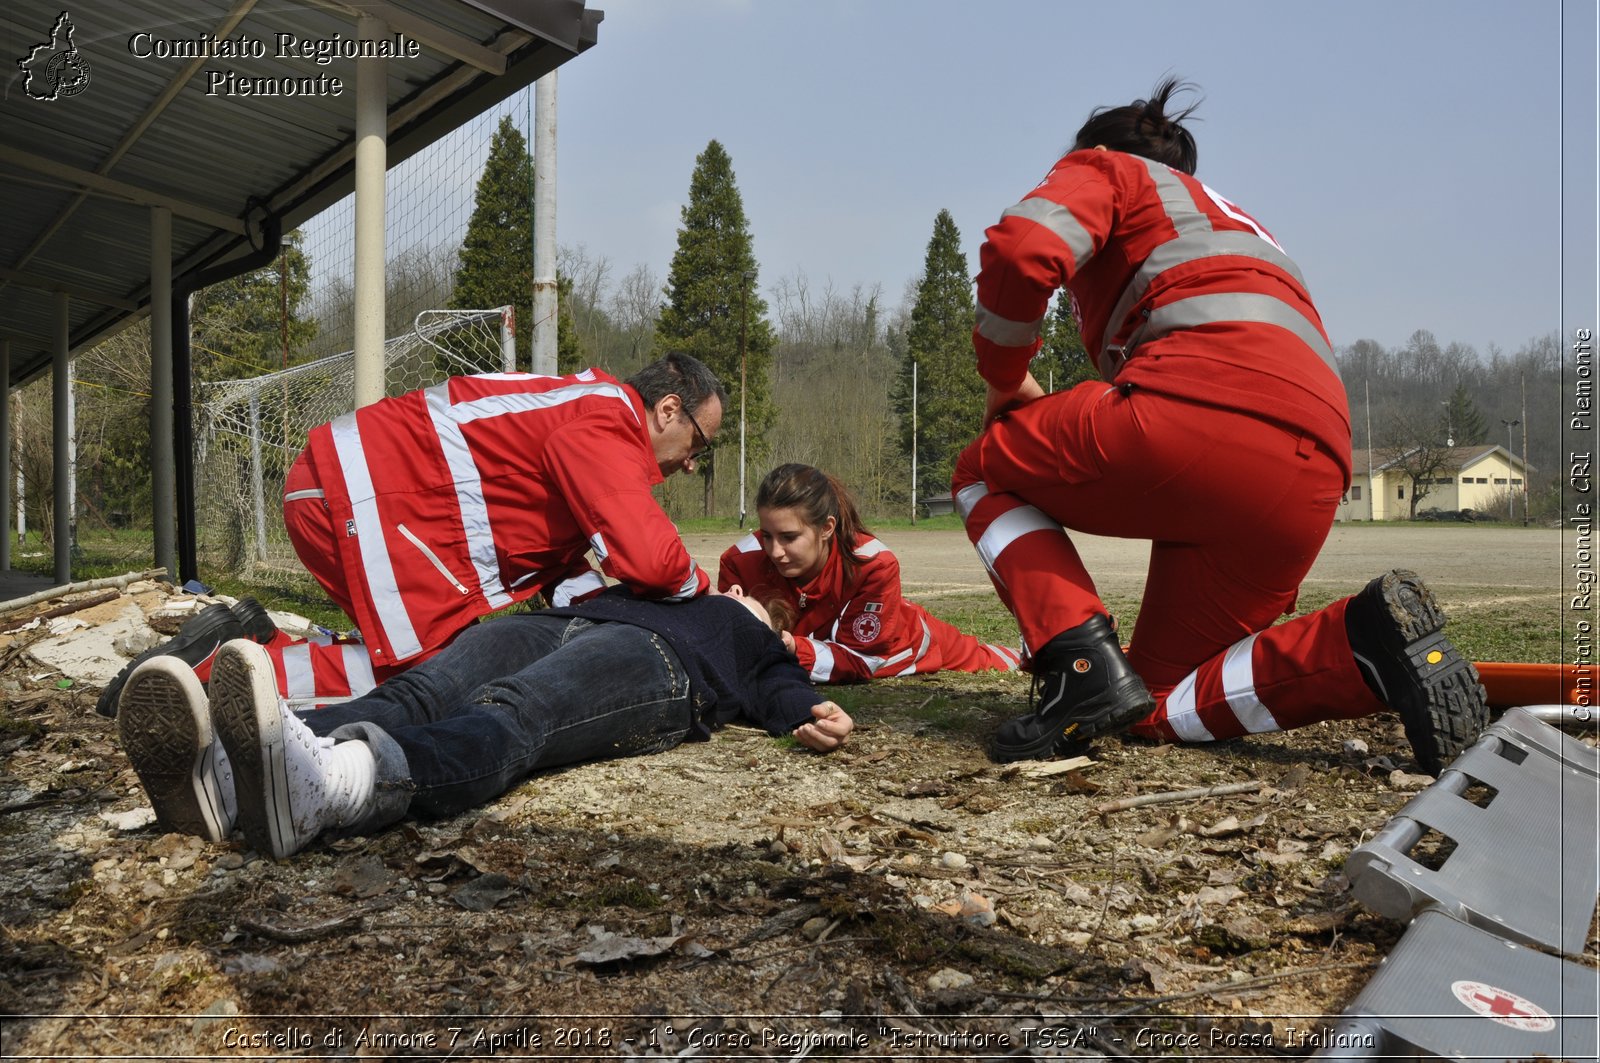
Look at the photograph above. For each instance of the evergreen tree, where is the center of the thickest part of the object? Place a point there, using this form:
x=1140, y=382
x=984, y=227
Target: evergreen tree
x=252, y=324
x=569, y=352
x=495, y=263
x=1062, y=361
x=711, y=290
x=950, y=393
x=1462, y=420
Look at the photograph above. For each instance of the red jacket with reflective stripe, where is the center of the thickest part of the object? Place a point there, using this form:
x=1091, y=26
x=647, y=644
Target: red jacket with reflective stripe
x=460, y=499
x=846, y=632
x=1175, y=289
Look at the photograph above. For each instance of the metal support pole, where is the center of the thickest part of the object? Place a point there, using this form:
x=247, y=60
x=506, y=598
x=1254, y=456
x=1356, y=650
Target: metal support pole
x=372, y=150
x=546, y=313
x=1511, y=466
x=1526, y=511
x=258, y=492
x=508, y=339
x=61, y=425
x=913, y=442
x=744, y=323
x=5, y=456
x=163, y=477
x=1372, y=485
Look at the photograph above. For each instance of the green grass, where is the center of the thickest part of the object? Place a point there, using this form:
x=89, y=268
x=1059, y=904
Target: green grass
x=99, y=554
x=304, y=596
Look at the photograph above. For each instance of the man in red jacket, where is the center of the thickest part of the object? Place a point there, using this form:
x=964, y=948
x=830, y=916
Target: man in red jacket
x=423, y=512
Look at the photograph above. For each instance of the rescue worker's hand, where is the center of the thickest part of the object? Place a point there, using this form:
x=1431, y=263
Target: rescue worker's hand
x=1001, y=401
x=827, y=732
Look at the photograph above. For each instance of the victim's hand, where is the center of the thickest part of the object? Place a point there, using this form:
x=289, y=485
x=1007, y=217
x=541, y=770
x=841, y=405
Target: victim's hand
x=829, y=727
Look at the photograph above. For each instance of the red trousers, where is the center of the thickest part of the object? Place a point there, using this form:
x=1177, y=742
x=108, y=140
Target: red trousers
x=1236, y=508
x=318, y=671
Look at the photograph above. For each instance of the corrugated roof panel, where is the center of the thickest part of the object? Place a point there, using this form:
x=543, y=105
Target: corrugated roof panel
x=214, y=151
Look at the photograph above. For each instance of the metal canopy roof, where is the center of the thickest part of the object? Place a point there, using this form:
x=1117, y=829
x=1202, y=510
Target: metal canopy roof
x=129, y=128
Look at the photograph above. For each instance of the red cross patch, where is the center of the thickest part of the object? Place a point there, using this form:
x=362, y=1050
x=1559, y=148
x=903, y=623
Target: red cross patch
x=1503, y=1006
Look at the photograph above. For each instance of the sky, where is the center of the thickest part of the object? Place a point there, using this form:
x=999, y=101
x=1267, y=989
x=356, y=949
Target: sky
x=1407, y=153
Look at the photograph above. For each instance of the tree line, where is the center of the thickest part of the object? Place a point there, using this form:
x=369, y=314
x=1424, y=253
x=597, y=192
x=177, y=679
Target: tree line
x=836, y=378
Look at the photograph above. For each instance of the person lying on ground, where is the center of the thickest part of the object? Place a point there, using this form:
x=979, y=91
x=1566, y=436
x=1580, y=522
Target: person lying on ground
x=614, y=676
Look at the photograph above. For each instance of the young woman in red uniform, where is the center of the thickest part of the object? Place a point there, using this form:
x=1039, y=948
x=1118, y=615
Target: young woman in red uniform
x=842, y=587
x=1219, y=431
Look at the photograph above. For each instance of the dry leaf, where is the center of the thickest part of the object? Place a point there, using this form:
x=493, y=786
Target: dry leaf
x=1222, y=828
x=615, y=948
x=365, y=878
x=483, y=892
x=1155, y=839
x=1218, y=895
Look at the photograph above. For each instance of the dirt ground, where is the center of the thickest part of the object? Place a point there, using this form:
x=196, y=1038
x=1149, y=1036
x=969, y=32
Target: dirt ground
x=903, y=898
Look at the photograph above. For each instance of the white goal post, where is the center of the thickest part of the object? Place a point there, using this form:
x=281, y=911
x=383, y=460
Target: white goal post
x=249, y=431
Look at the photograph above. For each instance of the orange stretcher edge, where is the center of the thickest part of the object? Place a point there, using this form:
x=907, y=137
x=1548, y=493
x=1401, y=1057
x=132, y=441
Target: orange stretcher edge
x=1509, y=684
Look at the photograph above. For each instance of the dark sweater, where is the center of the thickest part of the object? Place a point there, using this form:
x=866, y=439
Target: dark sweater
x=737, y=667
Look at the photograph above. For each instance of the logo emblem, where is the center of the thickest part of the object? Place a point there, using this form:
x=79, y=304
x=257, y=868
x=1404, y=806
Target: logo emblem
x=1506, y=1008
x=55, y=68
x=866, y=627
x=1081, y=665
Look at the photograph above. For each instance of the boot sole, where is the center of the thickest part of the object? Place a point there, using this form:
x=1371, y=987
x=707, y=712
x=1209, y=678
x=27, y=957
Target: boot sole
x=252, y=617
x=1443, y=705
x=1075, y=734
x=218, y=628
x=244, y=709
x=166, y=733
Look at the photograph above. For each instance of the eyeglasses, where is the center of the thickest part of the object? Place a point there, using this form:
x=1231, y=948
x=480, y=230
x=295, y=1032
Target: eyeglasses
x=705, y=441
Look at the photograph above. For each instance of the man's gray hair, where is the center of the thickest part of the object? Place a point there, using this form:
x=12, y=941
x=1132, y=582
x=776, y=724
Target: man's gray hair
x=677, y=374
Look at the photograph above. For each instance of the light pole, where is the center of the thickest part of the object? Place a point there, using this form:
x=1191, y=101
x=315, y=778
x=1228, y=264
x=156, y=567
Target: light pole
x=1511, y=494
x=744, y=323
x=913, y=441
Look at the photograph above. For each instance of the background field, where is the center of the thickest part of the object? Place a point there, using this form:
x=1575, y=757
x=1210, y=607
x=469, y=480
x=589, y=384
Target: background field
x=1501, y=584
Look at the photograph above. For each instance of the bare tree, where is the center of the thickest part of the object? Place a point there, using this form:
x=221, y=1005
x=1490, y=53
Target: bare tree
x=832, y=371
x=635, y=306
x=587, y=280
x=1415, y=448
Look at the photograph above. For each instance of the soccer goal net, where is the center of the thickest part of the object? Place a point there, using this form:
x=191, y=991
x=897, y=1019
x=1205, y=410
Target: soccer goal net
x=248, y=432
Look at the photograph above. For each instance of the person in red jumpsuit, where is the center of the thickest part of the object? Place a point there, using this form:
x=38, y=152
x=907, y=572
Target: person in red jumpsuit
x=423, y=512
x=1219, y=431
x=842, y=588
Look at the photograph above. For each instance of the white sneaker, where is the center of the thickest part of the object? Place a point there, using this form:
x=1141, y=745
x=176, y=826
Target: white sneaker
x=166, y=732
x=291, y=784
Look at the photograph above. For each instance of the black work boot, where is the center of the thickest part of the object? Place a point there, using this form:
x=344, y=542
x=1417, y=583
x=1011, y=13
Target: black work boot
x=1084, y=689
x=198, y=639
x=1396, y=632
x=252, y=616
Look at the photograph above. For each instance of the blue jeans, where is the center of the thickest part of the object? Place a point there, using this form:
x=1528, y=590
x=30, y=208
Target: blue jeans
x=507, y=698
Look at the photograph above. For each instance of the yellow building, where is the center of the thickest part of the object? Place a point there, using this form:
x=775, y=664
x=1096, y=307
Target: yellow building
x=1475, y=478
